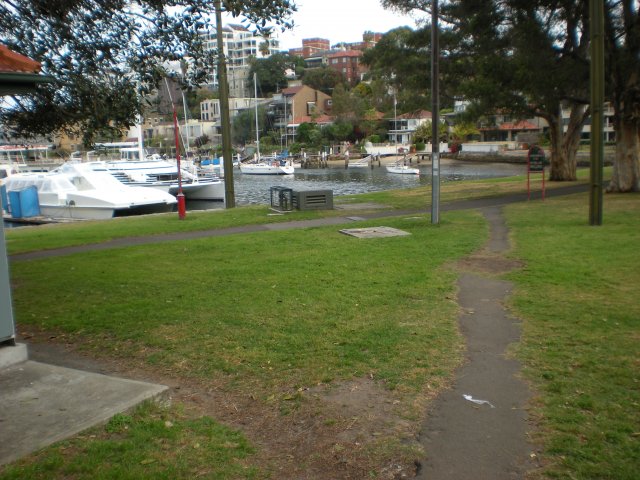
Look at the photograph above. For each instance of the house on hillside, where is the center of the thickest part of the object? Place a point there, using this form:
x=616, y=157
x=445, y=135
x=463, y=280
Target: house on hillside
x=292, y=104
x=403, y=127
x=510, y=131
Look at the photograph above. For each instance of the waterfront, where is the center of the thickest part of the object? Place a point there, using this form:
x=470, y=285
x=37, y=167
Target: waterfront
x=255, y=189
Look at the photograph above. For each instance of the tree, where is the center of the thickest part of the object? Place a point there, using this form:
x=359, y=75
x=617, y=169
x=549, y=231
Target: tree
x=527, y=58
x=271, y=72
x=323, y=78
x=400, y=59
x=244, y=125
x=106, y=55
x=622, y=47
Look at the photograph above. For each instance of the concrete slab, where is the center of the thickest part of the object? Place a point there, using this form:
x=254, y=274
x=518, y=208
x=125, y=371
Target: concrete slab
x=12, y=354
x=374, y=232
x=41, y=404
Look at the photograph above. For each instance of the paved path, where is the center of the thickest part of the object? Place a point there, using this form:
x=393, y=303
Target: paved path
x=467, y=440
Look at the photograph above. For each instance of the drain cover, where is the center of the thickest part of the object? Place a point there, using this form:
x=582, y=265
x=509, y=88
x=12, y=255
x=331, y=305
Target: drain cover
x=374, y=232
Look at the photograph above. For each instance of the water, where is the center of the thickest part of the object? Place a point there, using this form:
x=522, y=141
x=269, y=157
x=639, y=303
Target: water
x=255, y=189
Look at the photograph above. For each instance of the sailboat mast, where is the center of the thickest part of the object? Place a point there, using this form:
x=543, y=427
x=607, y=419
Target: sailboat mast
x=186, y=125
x=255, y=91
x=141, y=154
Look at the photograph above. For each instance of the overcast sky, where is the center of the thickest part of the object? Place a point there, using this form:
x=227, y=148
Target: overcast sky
x=339, y=21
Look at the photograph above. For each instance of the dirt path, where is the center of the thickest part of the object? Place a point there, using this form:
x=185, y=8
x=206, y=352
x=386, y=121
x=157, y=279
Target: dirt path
x=468, y=440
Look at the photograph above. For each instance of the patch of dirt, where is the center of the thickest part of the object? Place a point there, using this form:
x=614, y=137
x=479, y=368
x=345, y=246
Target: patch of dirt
x=332, y=431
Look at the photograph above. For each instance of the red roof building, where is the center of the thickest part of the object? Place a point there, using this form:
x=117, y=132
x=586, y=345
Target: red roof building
x=348, y=64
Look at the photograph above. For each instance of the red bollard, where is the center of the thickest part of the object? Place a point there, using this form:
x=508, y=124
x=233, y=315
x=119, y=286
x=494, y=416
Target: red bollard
x=182, y=207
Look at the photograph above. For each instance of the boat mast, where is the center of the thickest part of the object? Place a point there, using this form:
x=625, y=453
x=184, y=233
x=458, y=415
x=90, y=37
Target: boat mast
x=186, y=125
x=286, y=144
x=395, y=124
x=140, y=143
x=255, y=92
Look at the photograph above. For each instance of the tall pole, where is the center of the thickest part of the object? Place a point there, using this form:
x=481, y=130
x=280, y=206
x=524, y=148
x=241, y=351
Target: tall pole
x=435, y=117
x=225, y=120
x=255, y=96
x=182, y=211
x=596, y=14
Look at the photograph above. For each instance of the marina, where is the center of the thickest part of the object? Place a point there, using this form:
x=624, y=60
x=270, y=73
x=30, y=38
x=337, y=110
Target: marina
x=255, y=189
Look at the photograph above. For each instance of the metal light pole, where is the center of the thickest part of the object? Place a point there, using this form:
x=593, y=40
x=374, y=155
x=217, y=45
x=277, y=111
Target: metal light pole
x=435, y=117
x=596, y=14
x=223, y=89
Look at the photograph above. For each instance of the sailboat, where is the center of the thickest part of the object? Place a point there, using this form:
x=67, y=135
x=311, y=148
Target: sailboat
x=265, y=165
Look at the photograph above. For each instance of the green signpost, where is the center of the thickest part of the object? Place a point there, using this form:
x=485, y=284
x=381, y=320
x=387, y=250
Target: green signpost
x=535, y=164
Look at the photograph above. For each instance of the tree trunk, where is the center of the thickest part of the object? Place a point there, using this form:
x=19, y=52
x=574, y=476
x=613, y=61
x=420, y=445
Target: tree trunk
x=564, y=146
x=626, y=167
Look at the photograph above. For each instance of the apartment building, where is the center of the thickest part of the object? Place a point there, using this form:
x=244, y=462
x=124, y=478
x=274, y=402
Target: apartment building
x=347, y=63
x=239, y=46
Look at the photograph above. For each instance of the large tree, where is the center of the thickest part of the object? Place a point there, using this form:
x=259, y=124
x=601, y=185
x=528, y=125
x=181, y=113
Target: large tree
x=105, y=55
x=322, y=78
x=527, y=58
x=622, y=46
x=271, y=72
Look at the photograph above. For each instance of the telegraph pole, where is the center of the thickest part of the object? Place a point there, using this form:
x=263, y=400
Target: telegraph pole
x=596, y=16
x=223, y=89
x=435, y=117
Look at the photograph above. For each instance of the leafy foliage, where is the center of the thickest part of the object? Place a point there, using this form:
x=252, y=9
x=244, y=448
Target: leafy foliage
x=106, y=54
x=323, y=78
x=272, y=71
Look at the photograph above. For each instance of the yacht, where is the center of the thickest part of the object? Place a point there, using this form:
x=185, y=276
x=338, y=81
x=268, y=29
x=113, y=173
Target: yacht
x=76, y=190
x=163, y=175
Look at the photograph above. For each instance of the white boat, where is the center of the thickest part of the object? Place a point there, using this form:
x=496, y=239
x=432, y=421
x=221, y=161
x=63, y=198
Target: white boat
x=75, y=190
x=267, y=166
x=263, y=165
x=402, y=169
x=361, y=163
x=163, y=175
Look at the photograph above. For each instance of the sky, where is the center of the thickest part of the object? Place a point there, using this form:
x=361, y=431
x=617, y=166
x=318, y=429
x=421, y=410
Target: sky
x=340, y=21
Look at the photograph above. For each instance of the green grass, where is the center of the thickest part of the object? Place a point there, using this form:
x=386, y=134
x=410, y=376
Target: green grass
x=265, y=315
x=151, y=442
x=578, y=296
x=312, y=304
x=21, y=240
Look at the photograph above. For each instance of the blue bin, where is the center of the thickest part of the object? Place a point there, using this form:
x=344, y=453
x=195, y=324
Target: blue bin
x=24, y=203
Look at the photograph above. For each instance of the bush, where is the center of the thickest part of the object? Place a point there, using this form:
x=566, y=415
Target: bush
x=375, y=139
x=420, y=146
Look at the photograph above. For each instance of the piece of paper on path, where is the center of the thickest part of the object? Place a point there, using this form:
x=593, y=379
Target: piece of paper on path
x=479, y=402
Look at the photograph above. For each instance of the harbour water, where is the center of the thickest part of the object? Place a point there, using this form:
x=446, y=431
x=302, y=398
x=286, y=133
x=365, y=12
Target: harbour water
x=255, y=189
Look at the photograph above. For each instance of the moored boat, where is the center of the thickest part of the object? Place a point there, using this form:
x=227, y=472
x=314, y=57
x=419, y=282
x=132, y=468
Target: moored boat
x=77, y=191
x=402, y=169
x=360, y=163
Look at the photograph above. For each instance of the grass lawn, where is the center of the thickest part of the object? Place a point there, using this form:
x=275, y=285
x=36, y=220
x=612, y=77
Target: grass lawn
x=273, y=315
x=269, y=314
x=578, y=297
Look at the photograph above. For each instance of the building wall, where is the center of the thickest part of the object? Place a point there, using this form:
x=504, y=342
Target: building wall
x=239, y=46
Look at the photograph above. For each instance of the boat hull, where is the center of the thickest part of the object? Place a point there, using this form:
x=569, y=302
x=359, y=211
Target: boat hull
x=403, y=170
x=266, y=169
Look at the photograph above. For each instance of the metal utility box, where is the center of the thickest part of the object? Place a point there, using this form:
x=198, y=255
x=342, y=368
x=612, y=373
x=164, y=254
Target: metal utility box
x=313, y=200
x=281, y=199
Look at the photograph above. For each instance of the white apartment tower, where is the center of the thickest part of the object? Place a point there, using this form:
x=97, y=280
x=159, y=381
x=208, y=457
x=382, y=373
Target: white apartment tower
x=239, y=46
